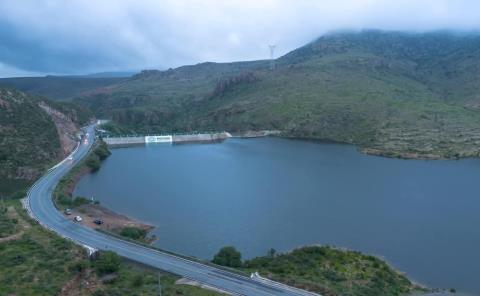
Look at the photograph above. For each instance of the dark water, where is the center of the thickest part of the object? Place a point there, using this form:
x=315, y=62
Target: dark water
x=422, y=216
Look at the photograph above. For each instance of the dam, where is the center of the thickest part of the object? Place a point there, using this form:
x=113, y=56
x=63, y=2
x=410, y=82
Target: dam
x=181, y=138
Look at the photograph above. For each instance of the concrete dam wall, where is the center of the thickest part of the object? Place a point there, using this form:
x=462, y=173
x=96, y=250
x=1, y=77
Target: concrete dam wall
x=124, y=141
x=206, y=137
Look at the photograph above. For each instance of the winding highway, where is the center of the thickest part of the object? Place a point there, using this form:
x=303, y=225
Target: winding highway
x=41, y=207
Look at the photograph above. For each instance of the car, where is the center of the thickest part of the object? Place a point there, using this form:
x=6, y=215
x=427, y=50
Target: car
x=70, y=158
x=68, y=212
x=98, y=221
x=77, y=219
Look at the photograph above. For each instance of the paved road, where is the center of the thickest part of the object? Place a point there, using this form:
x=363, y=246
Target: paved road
x=43, y=209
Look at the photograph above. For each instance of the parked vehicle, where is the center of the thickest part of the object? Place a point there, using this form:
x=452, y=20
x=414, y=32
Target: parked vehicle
x=68, y=212
x=77, y=219
x=98, y=221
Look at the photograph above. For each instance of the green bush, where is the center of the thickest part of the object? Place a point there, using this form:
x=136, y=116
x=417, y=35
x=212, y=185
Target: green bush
x=102, y=151
x=107, y=262
x=133, y=233
x=79, y=266
x=137, y=281
x=79, y=200
x=93, y=162
x=228, y=256
x=64, y=200
x=19, y=194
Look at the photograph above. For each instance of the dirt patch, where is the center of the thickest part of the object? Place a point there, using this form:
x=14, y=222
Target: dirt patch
x=184, y=281
x=84, y=283
x=112, y=221
x=11, y=237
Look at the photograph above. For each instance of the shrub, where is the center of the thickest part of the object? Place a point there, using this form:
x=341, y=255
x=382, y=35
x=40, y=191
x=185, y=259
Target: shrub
x=80, y=200
x=64, y=200
x=107, y=262
x=19, y=194
x=228, y=256
x=93, y=163
x=79, y=266
x=133, y=232
x=137, y=281
x=102, y=151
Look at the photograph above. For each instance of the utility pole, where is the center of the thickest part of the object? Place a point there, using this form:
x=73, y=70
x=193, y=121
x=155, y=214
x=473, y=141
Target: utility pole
x=272, y=51
x=159, y=286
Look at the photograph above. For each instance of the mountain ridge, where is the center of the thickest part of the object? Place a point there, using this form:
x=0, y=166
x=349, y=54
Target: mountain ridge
x=397, y=94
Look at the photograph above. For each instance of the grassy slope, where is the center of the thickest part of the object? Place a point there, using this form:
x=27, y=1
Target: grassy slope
x=331, y=271
x=397, y=94
x=57, y=87
x=41, y=263
x=29, y=141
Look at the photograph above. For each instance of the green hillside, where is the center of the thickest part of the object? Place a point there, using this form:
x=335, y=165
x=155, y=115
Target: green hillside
x=391, y=93
x=58, y=87
x=29, y=140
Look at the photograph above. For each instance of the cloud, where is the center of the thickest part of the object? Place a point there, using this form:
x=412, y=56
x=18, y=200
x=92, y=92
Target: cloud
x=7, y=71
x=56, y=36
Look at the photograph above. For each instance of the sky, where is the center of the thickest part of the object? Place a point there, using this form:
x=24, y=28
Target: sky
x=39, y=37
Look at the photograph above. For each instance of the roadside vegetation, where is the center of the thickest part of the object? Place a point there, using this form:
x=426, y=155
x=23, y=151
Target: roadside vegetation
x=325, y=270
x=134, y=233
x=63, y=192
x=34, y=261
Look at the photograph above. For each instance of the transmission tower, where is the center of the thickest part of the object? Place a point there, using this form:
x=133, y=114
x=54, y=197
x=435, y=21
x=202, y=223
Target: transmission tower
x=272, y=60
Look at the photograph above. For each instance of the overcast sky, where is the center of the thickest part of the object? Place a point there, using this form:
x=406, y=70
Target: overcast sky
x=85, y=36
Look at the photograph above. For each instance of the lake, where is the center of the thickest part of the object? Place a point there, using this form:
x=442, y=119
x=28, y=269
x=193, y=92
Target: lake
x=255, y=194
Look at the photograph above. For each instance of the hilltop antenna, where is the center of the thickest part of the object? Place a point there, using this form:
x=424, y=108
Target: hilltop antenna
x=272, y=51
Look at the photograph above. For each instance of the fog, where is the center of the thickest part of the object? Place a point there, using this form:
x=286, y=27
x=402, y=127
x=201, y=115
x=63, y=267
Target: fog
x=77, y=37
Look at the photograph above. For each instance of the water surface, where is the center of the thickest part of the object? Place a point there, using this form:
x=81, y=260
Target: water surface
x=256, y=194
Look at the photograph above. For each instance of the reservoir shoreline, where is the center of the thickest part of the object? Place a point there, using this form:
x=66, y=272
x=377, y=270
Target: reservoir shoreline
x=212, y=137
x=193, y=160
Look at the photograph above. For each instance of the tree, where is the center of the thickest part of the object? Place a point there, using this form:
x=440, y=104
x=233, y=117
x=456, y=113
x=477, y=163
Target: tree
x=228, y=256
x=93, y=162
x=102, y=151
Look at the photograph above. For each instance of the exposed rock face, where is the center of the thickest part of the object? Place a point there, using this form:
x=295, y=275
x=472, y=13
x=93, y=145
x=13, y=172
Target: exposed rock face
x=66, y=128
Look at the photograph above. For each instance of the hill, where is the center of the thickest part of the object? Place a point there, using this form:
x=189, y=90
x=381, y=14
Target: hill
x=60, y=87
x=398, y=94
x=33, y=133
